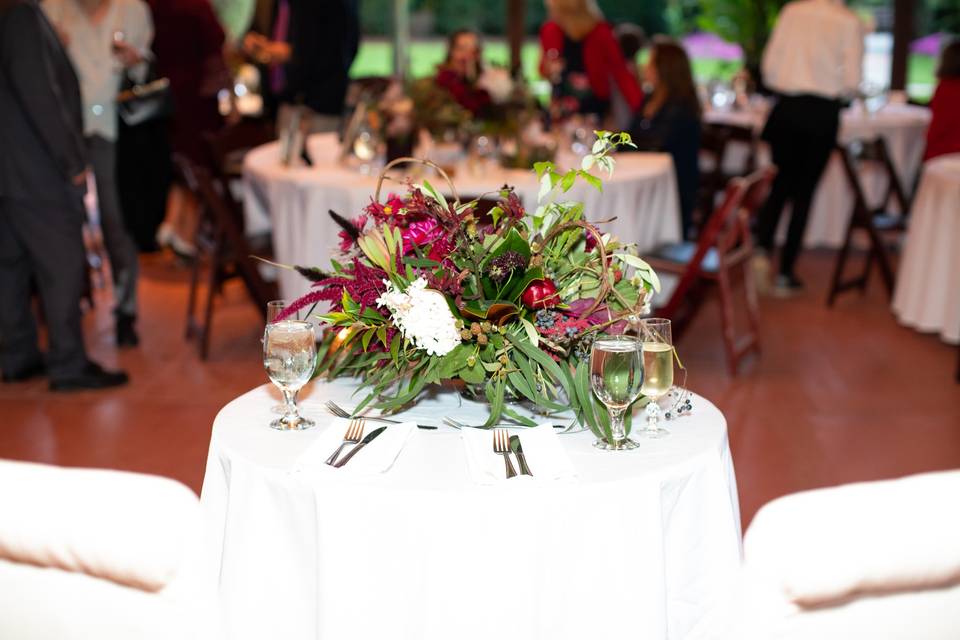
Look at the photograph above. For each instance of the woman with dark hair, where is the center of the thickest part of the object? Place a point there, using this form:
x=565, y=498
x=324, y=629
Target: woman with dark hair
x=943, y=136
x=460, y=71
x=670, y=119
x=581, y=58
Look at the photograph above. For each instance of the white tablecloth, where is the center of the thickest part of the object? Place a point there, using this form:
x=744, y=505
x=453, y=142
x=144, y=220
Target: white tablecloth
x=641, y=545
x=927, y=296
x=903, y=127
x=642, y=195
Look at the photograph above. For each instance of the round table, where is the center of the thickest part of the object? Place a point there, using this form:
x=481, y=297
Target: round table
x=927, y=295
x=294, y=200
x=902, y=126
x=641, y=544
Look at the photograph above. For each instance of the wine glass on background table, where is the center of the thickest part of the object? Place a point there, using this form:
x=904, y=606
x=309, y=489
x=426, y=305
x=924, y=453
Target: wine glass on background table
x=290, y=357
x=656, y=336
x=616, y=376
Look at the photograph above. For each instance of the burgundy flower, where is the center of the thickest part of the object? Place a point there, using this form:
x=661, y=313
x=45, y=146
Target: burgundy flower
x=441, y=249
x=388, y=210
x=346, y=240
x=420, y=234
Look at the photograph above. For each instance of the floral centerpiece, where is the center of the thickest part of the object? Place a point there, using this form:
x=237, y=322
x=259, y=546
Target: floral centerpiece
x=507, y=303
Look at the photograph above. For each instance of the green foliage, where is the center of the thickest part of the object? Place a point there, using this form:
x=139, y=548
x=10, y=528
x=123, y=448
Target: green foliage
x=749, y=23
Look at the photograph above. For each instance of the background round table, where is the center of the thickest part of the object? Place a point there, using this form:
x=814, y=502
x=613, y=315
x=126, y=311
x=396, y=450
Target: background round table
x=903, y=128
x=927, y=296
x=294, y=200
x=641, y=544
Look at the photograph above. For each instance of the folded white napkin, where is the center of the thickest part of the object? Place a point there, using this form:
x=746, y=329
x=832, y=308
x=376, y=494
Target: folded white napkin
x=541, y=447
x=376, y=457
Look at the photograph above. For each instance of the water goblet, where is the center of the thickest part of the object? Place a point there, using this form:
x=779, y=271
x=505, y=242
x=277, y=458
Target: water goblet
x=616, y=376
x=274, y=310
x=657, y=340
x=290, y=357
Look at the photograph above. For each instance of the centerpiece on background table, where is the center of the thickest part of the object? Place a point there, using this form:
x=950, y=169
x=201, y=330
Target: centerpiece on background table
x=507, y=303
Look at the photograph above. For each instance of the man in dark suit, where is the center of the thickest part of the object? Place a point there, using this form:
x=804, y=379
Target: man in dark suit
x=43, y=173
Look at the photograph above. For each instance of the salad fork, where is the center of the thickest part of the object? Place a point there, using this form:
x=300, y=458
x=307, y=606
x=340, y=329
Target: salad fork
x=501, y=446
x=340, y=412
x=352, y=436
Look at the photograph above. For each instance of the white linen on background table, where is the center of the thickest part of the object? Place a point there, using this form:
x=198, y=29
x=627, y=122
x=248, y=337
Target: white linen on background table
x=641, y=546
x=642, y=195
x=927, y=296
x=902, y=126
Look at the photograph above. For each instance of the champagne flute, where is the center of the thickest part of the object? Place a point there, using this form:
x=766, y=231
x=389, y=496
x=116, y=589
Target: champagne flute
x=616, y=375
x=290, y=357
x=274, y=310
x=656, y=335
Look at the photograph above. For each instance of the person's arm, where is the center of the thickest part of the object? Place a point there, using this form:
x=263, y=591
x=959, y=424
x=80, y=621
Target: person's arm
x=28, y=67
x=614, y=60
x=138, y=27
x=852, y=56
x=551, y=40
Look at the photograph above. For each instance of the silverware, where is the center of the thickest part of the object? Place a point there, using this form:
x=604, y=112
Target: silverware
x=373, y=434
x=340, y=412
x=501, y=446
x=352, y=436
x=517, y=449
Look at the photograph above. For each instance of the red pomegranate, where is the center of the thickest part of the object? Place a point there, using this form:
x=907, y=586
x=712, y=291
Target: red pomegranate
x=540, y=294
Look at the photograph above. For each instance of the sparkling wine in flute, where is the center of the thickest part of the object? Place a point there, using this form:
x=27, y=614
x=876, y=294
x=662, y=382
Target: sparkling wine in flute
x=616, y=372
x=657, y=369
x=289, y=355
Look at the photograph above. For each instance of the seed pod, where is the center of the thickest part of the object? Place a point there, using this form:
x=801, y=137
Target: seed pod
x=482, y=339
x=475, y=328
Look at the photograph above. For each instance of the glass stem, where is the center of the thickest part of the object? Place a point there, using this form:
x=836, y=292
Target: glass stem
x=617, y=431
x=653, y=416
x=290, y=402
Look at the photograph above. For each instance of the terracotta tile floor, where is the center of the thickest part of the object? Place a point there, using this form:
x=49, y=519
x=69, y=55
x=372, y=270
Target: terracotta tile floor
x=838, y=395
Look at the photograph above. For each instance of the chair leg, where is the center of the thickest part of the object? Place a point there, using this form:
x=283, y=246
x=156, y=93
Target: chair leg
x=727, y=319
x=753, y=307
x=214, y=285
x=840, y=264
x=192, y=298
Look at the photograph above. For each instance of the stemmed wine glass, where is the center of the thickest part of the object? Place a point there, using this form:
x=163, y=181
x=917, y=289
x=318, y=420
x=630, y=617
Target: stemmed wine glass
x=616, y=375
x=274, y=309
x=656, y=336
x=290, y=357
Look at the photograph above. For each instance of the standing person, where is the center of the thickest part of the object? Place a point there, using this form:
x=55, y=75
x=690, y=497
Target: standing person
x=43, y=173
x=812, y=62
x=104, y=38
x=580, y=56
x=670, y=120
x=308, y=58
x=189, y=48
x=943, y=136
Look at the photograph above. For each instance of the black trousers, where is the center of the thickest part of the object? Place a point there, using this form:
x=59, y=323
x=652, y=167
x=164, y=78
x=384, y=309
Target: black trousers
x=42, y=240
x=802, y=132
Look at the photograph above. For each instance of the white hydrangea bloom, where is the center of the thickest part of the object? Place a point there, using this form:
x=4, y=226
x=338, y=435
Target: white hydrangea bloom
x=422, y=316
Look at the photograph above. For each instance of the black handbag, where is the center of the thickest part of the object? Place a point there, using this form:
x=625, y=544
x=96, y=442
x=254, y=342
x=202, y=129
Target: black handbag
x=147, y=101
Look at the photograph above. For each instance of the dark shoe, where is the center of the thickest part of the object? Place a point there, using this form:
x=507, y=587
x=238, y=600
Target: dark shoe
x=92, y=377
x=34, y=370
x=787, y=286
x=126, y=334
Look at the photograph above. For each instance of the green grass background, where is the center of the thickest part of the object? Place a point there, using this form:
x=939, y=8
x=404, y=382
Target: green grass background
x=376, y=59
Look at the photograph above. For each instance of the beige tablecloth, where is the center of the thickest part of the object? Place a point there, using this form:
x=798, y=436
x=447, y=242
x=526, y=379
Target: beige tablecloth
x=927, y=296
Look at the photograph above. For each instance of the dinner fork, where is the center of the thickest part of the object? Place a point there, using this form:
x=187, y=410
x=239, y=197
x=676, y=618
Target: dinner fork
x=340, y=412
x=352, y=436
x=501, y=446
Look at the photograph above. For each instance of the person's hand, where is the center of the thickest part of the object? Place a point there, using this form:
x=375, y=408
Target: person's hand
x=126, y=53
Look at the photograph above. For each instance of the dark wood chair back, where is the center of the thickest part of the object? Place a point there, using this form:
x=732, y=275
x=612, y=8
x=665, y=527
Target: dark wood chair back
x=716, y=140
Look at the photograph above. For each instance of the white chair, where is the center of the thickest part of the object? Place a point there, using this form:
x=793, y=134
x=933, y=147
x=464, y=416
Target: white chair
x=877, y=560
x=100, y=554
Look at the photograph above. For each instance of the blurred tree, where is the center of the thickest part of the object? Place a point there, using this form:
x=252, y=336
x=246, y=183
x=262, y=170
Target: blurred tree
x=681, y=17
x=746, y=22
x=940, y=15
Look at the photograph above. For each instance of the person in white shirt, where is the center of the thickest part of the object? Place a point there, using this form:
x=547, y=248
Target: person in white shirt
x=813, y=63
x=105, y=39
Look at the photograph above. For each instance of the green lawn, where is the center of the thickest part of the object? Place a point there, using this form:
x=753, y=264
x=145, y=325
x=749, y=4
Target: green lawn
x=376, y=59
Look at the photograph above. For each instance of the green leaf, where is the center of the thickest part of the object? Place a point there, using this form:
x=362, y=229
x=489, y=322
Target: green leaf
x=454, y=361
x=516, y=286
x=531, y=332
x=545, y=361
x=395, y=350
x=382, y=335
x=517, y=417
x=567, y=180
x=474, y=375
x=421, y=263
x=520, y=384
x=367, y=336
x=436, y=195
x=592, y=180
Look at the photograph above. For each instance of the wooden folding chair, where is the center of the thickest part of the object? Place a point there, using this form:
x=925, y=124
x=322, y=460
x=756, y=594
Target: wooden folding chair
x=722, y=256
x=877, y=224
x=229, y=250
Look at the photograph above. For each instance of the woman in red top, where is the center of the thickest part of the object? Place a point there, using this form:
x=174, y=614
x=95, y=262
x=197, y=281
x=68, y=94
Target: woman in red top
x=460, y=71
x=943, y=136
x=580, y=56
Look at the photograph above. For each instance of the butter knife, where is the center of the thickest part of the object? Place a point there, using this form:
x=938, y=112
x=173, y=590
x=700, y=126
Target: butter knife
x=367, y=440
x=517, y=449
